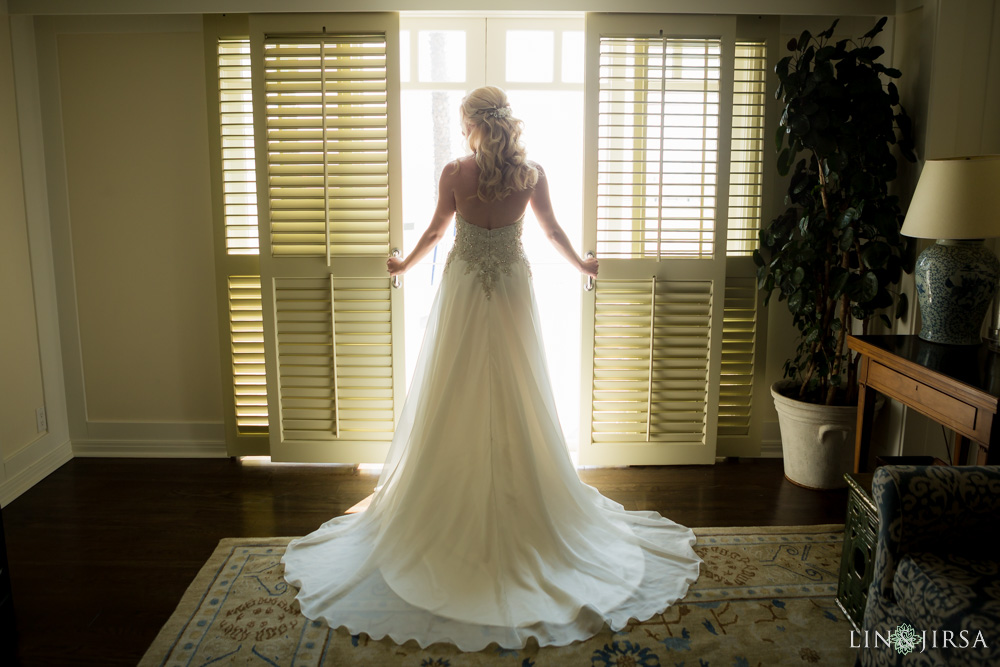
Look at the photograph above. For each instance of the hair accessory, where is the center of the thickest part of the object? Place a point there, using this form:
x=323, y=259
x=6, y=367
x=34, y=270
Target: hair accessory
x=498, y=112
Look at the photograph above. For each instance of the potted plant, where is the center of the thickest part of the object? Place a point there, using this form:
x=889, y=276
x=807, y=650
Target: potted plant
x=835, y=254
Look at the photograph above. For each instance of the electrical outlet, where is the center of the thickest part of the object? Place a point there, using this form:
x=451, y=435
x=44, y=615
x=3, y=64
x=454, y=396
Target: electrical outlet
x=40, y=420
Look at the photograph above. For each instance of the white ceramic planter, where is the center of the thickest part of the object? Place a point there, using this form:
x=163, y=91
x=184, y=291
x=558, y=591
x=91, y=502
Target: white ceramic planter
x=817, y=441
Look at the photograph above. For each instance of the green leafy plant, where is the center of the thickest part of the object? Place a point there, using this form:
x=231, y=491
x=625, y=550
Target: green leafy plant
x=835, y=254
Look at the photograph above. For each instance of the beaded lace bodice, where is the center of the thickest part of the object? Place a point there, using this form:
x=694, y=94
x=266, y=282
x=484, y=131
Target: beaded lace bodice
x=488, y=251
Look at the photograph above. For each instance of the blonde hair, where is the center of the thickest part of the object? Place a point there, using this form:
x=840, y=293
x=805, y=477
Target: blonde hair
x=494, y=135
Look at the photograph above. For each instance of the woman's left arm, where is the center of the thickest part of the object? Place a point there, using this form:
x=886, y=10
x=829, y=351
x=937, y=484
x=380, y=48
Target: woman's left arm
x=443, y=214
x=541, y=204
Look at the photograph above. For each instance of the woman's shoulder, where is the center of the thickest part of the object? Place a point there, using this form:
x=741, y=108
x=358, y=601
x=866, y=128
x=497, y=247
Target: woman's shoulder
x=537, y=167
x=457, y=168
x=461, y=165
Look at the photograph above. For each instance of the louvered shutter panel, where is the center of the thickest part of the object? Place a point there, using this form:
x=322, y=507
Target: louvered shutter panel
x=236, y=239
x=238, y=157
x=327, y=133
x=651, y=350
x=621, y=347
x=246, y=325
x=746, y=171
x=363, y=331
x=307, y=374
x=246, y=328
x=738, y=345
x=658, y=146
x=335, y=358
x=741, y=390
x=682, y=325
x=328, y=114
x=656, y=140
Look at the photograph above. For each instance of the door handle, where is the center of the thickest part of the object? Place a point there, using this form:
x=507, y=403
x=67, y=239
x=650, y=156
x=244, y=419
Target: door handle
x=397, y=281
x=590, y=279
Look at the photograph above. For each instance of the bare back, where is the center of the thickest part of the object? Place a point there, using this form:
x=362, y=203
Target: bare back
x=457, y=193
x=490, y=215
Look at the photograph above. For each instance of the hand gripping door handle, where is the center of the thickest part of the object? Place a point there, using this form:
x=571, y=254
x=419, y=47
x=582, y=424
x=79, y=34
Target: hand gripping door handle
x=590, y=279
x=397, y=281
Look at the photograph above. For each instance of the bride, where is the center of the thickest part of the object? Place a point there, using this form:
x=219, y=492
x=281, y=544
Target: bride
x=480, y=530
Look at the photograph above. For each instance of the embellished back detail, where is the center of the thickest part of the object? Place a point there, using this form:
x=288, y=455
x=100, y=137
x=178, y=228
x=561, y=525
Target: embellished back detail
x=488, y=251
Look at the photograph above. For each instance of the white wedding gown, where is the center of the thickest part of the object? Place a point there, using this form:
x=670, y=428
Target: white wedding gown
x=480, y=530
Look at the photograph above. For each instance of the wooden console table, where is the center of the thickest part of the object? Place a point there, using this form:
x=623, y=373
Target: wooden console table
x=956, y=386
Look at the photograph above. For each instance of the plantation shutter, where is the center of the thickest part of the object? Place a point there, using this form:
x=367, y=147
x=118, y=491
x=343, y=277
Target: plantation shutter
x=657, y=148
x=229, y=93
x=743, y=395
x=328, y=166
x=246, y=330
x=651, y=361
x=326, y=108
x=746, y=166
x=739, y=338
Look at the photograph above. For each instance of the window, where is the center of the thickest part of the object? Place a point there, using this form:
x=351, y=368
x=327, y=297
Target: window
x=673, y=331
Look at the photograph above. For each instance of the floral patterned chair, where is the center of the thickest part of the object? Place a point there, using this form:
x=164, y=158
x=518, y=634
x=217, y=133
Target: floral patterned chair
x=937, y=568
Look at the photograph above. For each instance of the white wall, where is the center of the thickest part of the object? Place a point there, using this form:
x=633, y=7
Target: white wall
x=20, y=363
x=126, y=121
x=27, y=452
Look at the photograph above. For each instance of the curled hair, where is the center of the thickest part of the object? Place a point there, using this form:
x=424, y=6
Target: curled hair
x=495, y=137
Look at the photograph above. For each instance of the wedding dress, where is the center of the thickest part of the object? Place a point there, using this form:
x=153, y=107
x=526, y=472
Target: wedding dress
x=480, y=530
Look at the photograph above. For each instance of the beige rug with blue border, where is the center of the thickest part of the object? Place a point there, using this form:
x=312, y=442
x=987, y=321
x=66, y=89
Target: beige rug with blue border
x=766, y=596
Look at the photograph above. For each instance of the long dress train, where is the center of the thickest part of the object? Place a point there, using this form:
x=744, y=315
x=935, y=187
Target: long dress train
x=480, y=530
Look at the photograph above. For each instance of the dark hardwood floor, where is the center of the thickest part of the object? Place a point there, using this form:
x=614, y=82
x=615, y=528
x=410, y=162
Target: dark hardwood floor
x=102, y=549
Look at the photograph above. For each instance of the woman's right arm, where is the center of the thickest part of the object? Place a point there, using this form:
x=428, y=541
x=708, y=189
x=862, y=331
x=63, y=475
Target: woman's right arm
x=541, y=204
x=443, y=214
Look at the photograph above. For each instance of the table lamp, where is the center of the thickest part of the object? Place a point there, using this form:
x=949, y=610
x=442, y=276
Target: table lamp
x=957, y=202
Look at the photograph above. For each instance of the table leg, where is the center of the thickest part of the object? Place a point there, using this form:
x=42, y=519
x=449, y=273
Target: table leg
x=960, y=451
x=866, y=414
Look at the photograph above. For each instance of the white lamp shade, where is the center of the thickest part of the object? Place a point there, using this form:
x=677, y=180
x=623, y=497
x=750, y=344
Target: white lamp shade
x=956, y=198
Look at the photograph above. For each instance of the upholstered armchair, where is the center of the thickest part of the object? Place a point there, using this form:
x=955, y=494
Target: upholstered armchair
x=937, y=568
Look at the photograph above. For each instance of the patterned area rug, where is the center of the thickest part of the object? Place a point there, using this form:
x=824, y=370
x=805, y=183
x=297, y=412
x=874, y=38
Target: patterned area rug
x=766, y=596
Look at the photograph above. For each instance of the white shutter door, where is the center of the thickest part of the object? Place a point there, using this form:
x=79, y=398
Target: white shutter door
x=659, y=98
x=227, y=54
x=743, y=395
x=327, y=119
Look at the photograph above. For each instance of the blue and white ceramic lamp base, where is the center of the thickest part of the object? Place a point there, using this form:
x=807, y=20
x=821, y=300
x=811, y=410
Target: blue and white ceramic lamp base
x=956, y=281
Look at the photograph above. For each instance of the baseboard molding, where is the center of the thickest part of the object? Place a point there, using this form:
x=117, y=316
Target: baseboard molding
x=48, y=457
x=770, y=440
x=151, y=449
x=162, y=440
x=770, y=449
